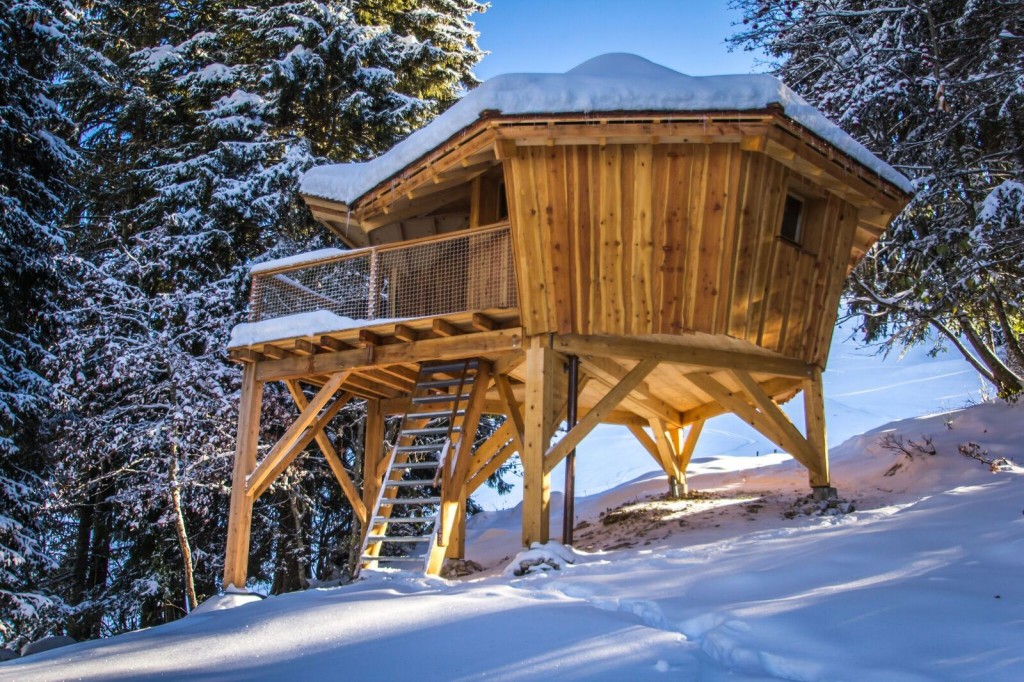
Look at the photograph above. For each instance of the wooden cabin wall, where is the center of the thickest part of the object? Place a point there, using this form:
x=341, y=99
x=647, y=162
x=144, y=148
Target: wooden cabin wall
x=638, y=239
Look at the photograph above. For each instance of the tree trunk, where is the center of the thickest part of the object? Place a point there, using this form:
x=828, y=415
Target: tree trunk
x=179, y=525
x=1008, y=383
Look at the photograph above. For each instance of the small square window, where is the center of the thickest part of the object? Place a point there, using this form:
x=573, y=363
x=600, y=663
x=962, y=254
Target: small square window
x=792, y=219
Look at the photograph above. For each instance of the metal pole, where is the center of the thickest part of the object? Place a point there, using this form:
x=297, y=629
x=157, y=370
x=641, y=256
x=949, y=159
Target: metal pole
x=569, y=510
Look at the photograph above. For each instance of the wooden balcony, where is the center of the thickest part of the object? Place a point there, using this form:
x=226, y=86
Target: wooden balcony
x=445, y=286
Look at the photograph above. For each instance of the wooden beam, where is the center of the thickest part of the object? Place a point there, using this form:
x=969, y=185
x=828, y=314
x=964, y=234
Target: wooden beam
x=370, y=338
x=774, y=387
x=814, y=413
x=644, y=402
x=445, y=328
x=741, y=408
x=694, y=356
x=798, y=446
x=668, y=454
x=646, y=441
x=404, y=332
x=283, y=451
x=690, y=444
x=457, y=468
x=508, y=362
x=596, y=415
x=483, y=323
x=512, y=410
x=450, y=348
x=485, y=471
x=331, y=455
x=329, y=343
x=542, y=369
x=373, y=455
x=490, y=447
x=236, y=554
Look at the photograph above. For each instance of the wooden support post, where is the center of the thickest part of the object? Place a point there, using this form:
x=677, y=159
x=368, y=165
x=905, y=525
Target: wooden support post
x=542, y=370
x=236, y=555
x=668, y=453
x=457, y=469
x=686, y=453
x=814, y=411
x=456, y=547
x=373, y=453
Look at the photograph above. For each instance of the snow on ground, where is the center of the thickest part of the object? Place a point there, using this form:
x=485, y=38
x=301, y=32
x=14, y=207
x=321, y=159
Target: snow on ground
x=747, y=580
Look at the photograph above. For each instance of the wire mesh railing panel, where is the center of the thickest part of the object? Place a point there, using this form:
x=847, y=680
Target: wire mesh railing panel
x=472, y=271
x=340, y=286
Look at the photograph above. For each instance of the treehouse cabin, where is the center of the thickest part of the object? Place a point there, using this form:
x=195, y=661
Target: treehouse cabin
x=679, y=243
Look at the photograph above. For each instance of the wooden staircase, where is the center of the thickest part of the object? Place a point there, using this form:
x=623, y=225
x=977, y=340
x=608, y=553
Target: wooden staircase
x=406, y=521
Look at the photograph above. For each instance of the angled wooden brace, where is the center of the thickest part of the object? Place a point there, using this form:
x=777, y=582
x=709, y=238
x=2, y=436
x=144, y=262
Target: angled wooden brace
x=591, y=419
x=298, y=435
x=332, y=457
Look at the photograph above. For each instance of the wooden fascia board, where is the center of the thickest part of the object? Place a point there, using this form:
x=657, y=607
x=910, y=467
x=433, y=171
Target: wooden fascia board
x=678, y=353
x=445, y=348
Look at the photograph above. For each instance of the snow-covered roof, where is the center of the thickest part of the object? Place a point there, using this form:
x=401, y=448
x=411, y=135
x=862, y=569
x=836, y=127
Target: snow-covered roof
x=611, y=82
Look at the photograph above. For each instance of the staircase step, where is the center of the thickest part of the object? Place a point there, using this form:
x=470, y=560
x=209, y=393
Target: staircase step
x=377, y=520
x=435, y=414
x=374, y=539
x=414, y=465
x=445, y=383
x=410, y=484
x=430, y=399
x=449, y=367
x=432, y=431
x=394, y=559
x=408, y=501
x=428, y=447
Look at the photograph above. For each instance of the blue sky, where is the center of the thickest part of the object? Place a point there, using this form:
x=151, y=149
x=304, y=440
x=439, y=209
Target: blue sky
x=555, y=35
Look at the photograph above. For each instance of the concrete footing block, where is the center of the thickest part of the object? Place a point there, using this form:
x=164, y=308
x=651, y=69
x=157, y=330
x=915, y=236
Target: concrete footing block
x=824, y=493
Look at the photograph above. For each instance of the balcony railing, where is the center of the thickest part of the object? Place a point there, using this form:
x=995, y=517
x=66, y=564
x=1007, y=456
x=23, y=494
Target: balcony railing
x=433, y=277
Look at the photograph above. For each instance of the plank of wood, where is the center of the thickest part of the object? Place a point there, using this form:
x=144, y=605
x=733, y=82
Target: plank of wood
x=814, y=413
x=668, y=453
x=445, y=328
x=641, y=400
x=284, y=451
x=790, y=437
x=512, y=409
x=236, y=554
x=694, y=356
x=424, y=350
x=646, y=441
x=331, y=455
x=404, y=332
x=591, y=419
x=373, y=453
x=456, y=470
x=542, y=367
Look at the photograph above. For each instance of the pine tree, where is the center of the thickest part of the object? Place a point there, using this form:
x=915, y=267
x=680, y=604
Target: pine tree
x=35, y=163
x=205, y=115
x=935, y=88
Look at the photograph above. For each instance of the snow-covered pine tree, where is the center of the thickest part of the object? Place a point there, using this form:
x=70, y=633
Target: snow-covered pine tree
x=207, y=113
x=35, y=164
x=935, y=87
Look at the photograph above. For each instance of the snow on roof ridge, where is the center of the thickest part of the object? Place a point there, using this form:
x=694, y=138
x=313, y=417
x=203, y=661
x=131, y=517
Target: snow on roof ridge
x=610, y=82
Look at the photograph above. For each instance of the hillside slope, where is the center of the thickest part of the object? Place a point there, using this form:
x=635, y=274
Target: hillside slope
x=920, y=581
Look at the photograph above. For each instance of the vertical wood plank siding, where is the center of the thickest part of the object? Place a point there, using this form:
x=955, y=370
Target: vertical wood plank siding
x=632, y=239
